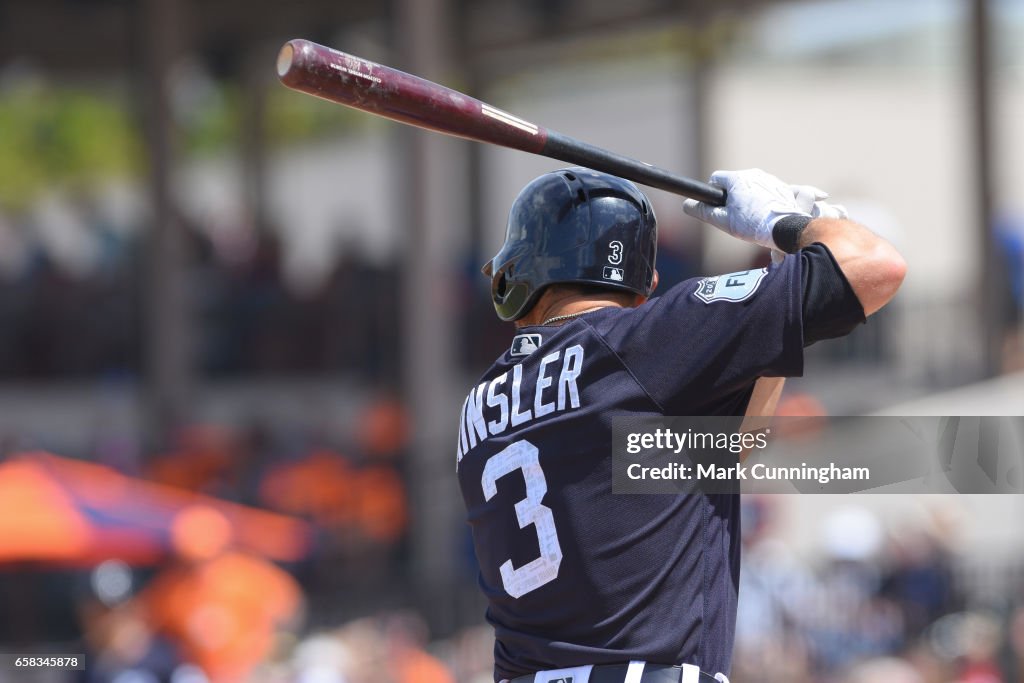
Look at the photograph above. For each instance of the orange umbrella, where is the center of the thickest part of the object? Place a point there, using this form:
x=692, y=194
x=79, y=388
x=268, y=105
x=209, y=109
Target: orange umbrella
x=70, y=512
x=34, y=512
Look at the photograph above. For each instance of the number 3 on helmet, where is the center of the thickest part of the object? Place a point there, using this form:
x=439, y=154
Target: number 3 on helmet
x=573, y=226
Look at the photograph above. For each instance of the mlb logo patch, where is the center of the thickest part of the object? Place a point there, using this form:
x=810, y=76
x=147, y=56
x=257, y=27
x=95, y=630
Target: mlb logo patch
x=525, y=344
x=614, y=274
x=733, y=287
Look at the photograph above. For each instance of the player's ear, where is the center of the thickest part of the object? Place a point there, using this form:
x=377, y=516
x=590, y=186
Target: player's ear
x=654, y=282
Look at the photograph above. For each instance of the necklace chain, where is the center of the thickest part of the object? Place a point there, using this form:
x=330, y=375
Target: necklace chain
x=569, y=315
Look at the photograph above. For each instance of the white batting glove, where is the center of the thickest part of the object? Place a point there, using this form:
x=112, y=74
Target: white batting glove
x=756, y=201
x=826, y=210
x=806, y=196
x=812, y=200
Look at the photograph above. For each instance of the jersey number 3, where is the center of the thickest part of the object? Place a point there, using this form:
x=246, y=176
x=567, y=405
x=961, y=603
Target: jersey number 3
x=523, y=455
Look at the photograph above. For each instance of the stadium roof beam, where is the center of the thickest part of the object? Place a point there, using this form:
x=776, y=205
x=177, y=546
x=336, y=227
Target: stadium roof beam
x=89, y=38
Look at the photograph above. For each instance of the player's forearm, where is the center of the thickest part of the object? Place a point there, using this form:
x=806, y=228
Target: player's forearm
x=873, y=267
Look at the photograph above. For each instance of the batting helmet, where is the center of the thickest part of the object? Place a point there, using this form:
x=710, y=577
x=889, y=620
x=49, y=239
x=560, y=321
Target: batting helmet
x=573, y=225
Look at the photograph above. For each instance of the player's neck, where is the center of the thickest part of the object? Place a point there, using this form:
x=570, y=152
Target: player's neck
x=554, y=304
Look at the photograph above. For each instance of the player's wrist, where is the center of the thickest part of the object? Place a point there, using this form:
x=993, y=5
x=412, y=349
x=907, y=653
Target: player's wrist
x=787, y=232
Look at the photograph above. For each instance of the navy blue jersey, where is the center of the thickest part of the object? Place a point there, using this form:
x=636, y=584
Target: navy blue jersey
x=573, y=574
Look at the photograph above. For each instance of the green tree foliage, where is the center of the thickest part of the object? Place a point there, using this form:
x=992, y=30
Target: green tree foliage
x=51, y=137
x=61, y=137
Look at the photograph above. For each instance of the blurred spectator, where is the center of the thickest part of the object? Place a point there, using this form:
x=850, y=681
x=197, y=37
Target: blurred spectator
x=1009, y=234
x=317, y=487
x=202, y=460
x=388, y=648
x=885, y=669
x=919, y=579
x=981, y=641
x=800, y=404
x=122, y=646
x=221, y=608
x=383, y=428
x=380, y=503
x=338, y=496
x=322, y=658
x=408, y=661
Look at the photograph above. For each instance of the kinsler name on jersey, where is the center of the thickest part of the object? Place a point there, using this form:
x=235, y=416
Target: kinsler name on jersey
x=504, y=397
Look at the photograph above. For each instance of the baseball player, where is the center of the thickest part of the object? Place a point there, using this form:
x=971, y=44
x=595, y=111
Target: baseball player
x=589, y=587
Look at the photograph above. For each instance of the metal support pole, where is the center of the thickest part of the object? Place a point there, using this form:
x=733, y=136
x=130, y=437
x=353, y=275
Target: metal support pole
x=433, y=179
x=167, y=366
x=253, y=141
x=991, y=287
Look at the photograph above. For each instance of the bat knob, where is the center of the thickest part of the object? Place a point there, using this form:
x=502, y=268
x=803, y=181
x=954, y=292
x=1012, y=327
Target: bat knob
x=284, y=59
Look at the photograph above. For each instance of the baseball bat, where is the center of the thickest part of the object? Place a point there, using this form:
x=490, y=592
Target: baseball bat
x=344, y=79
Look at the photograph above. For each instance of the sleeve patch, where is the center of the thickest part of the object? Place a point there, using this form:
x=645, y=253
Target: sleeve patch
x=731, y=286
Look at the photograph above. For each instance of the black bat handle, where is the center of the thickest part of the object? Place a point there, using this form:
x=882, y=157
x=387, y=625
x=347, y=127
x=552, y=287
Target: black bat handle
x=565, y=148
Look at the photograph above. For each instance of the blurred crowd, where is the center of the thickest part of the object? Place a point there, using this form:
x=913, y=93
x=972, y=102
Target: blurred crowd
x=878, y=604
x=874, y=600
x=897, y=605
x=71, y=271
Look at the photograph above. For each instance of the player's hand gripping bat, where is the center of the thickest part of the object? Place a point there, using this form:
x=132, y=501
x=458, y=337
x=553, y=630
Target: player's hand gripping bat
x=381, y=90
